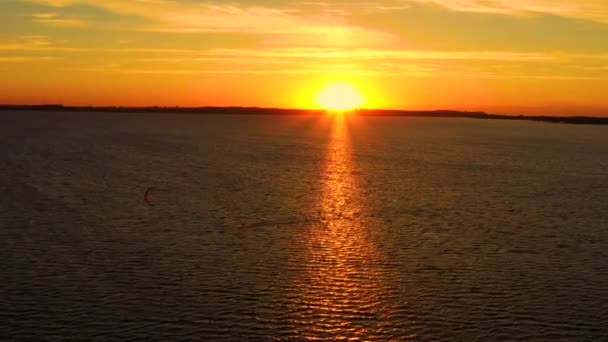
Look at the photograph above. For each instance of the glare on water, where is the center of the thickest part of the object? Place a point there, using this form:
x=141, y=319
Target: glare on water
x=340, y=295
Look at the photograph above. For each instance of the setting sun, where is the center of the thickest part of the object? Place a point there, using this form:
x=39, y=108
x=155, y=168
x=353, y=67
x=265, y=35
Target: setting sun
x=339, y=97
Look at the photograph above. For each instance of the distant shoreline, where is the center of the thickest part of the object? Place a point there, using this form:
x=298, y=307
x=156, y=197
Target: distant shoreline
x=586, y=120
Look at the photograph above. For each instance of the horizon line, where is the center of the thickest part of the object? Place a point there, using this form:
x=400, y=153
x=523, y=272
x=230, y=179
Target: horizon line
x=253, y=110
x=49, y=106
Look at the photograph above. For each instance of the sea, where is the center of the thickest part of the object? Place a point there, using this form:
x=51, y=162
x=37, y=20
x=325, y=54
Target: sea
x=118, y=226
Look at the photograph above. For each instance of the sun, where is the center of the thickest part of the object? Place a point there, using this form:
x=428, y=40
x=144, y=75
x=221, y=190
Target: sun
x=339, y=97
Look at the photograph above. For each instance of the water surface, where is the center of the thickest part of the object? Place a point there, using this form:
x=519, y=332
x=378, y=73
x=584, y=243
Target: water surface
x=294, y=228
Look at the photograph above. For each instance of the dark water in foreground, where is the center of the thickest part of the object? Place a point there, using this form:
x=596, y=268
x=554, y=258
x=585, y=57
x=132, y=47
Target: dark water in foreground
x=291, y=228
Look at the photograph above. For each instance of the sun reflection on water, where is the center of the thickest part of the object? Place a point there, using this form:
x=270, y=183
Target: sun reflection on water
x=341, y=296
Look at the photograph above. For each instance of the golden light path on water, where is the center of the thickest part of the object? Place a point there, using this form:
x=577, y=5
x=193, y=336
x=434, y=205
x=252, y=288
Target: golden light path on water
x=343, y=296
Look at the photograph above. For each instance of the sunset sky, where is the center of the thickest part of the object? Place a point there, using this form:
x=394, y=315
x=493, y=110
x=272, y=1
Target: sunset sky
x=505, y=56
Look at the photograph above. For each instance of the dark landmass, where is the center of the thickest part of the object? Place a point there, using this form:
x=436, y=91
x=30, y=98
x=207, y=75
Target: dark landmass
x=588, y=120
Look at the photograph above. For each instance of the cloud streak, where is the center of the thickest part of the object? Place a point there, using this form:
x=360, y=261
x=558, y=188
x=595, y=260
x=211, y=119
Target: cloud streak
x=205, y=14
x=56, y=19
x=43, y=43
x=380, y=54
x=580, y=9
x=217, y=17
x=317, y=53
x=22, y=59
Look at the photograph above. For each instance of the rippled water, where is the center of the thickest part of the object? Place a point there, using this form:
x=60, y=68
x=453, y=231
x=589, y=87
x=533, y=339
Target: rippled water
x=295, y=228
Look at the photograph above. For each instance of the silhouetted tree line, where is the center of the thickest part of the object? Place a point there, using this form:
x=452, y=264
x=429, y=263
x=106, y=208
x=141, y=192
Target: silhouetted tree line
x=281, y=111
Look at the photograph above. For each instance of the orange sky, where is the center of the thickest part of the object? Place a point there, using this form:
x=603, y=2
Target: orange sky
x=516, y=56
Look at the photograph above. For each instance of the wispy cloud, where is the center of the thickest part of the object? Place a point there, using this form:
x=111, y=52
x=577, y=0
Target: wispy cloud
x=391, y=70
x=581, y=9
x=56, y=19
x=44, y=43
x=320, y=53
x=36, y=43
x=63, y=22
x=44, y=15
x=21, y=59
x=192, y=17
